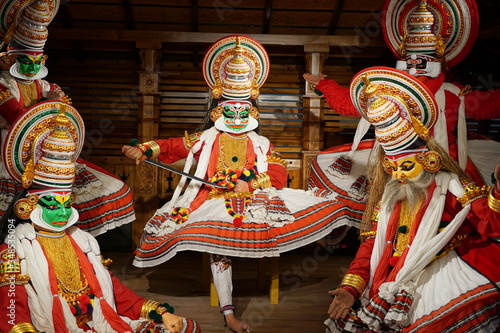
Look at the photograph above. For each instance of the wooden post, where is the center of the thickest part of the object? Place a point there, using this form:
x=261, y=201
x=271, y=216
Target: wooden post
x=312, y=144
x=146, y=187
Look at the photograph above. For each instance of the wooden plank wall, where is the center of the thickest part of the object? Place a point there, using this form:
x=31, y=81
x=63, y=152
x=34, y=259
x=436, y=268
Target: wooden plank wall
x=105, y=91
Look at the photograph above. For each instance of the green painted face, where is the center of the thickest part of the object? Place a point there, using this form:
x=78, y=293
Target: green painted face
x=29, y=65
x=56, y=209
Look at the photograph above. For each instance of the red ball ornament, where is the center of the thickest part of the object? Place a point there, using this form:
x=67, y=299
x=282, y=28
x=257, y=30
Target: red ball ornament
x=84, y=309
x=73, y=310
x=84, y=299
x=237, y=222
x=393, y=261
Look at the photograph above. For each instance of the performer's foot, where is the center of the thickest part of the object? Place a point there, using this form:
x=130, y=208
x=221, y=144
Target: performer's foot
x=237, y=325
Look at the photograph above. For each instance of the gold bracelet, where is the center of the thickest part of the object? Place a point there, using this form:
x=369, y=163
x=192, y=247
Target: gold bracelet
x=23, y=328
x=354, y=281
x=368, y=234
x=147, y=307
x=493, y=202
x=264, y=180
x=155, y=148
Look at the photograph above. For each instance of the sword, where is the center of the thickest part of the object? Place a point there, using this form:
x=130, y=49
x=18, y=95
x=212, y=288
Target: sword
x=166, y=167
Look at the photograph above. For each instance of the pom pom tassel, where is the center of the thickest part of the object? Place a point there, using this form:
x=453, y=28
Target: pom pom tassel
x=359, y=188
x=397, y=316
x=374, y=312
x=341, y=168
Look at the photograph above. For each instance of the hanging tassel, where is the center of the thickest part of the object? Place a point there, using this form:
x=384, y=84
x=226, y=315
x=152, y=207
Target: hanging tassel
x=374, y=312
x=397, y=316
x=341, y=168
x=277, y=210
x=359, y=188
x=349, y=323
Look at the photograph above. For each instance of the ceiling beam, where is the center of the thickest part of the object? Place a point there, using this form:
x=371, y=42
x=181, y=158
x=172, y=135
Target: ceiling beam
x=129, y=15
x=194, y=16
x=334, y=22
x=267, y=17
x=68, y=23
x=197, y=37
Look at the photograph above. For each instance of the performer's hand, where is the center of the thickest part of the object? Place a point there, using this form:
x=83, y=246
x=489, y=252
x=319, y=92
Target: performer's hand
x=497, y=175
x=313, y=79
x=343, y=301
x=134, y=153
x=172, y=322
x=241, y=186
x=56, y=95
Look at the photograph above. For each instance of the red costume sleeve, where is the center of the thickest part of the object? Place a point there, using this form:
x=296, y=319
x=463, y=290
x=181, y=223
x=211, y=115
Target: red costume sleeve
x=128, y=303
x=277, y=174
x=484, y=219
x=361, y=264
x=482, y=105
x=14, y=300
x=337, y=97
x=172, y=150
x=276, y=171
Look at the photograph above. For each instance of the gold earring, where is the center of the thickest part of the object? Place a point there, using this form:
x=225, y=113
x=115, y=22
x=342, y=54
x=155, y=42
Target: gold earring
x=254, y=112
x=24, y=207
x=216, y=113
x=432, y=161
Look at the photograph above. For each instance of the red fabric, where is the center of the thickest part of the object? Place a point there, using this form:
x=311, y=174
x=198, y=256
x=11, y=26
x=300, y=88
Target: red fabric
x=478, y=249
x=11, y=109
x=13, y=303
x=482, y=105
x=57, y=311
x=111, y=316
x=173, y=149
x=337, y=97
x=383, y=269
x=127, y=302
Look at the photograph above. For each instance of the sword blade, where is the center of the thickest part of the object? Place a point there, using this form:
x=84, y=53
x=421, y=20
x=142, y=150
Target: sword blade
x=166, y=167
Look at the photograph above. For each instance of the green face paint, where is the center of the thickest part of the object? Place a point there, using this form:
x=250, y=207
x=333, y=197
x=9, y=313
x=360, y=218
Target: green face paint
x=56, y=209
x=29, y=65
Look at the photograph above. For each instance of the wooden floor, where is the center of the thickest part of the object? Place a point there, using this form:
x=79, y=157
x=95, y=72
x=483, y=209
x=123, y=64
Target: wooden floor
x=306, y=275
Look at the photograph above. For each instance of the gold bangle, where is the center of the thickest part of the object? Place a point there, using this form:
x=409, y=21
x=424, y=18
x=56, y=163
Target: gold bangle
x=188, y=140
x=264, y=180
x=354, y=281
x=147, y=307
x=155, y=148
x=493, y=202
x=368, y=234
x=23, y=328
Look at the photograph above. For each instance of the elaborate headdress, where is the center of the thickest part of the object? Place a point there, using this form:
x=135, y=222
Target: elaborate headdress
x=23, y=27
x=421, y=32
x=40, y=150
x=401, y=109
x=235, y=67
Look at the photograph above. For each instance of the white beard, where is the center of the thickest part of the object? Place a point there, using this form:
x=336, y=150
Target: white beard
x=413, y=191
